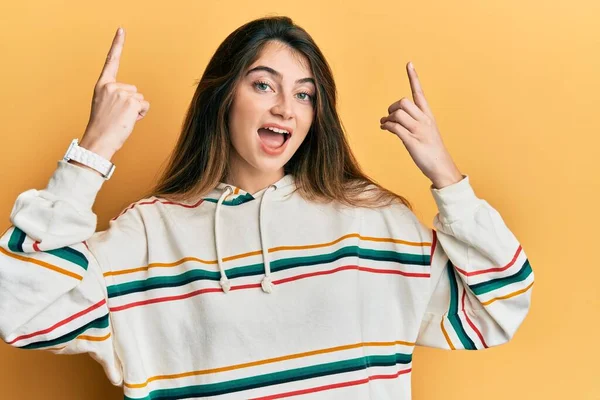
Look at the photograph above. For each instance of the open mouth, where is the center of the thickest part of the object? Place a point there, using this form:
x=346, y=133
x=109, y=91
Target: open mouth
x=273, y=139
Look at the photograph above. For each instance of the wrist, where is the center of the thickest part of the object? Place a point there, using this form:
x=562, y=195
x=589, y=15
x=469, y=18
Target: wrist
x=440, y=183
x=99, y=148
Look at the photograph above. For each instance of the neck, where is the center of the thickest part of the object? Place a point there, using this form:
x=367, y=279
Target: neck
x=249, y=178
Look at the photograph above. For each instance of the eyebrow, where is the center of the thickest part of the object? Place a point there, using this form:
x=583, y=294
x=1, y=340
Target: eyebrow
x=278, y=74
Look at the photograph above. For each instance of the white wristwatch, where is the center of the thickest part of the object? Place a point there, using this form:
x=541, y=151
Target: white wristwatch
x=89, y=158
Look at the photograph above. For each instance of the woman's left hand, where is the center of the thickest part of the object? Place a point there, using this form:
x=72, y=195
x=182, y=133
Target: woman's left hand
x=415, y=125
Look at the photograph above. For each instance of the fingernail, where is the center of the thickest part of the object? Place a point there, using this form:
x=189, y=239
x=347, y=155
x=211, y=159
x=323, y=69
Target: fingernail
x=410, y=65
x=120, y=31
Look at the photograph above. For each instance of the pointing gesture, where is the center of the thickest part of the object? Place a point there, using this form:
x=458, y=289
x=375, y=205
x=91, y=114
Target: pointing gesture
x=414, y=124
x=116, y=107
x=111, y=66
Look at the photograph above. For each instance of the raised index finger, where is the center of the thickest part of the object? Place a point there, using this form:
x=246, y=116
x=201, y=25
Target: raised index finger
x=111, y=66
x=417, y=90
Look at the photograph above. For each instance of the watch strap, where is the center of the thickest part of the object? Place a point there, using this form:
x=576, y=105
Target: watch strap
x=90, y=159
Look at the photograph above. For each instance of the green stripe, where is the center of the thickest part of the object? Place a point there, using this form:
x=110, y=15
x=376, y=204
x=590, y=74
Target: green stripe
x=17, y=238
x=275, y=378
x=453, y=311
x=15, y=243
x=101, y=322
x=484, y=287
x=70, y=254
x=241, y=199
x=258, y=269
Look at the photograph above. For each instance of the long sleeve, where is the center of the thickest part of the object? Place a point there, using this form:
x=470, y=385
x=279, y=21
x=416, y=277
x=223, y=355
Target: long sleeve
x=52, y=291
x=481, y=280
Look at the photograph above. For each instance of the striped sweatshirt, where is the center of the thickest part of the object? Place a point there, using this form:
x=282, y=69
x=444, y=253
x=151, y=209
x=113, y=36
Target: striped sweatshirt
x=257, y=296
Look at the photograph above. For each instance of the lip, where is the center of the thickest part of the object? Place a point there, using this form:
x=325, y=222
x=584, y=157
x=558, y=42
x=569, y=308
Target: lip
x=285, y=128
x=270, y=151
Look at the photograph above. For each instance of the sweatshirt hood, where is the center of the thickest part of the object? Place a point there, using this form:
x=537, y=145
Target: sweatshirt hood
x=224, y=195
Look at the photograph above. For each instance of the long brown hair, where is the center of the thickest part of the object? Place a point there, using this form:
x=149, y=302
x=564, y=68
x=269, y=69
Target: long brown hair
x=324, y=167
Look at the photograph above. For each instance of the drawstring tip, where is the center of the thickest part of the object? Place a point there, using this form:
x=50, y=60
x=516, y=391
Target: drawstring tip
x=267, y=284
x=225, y=284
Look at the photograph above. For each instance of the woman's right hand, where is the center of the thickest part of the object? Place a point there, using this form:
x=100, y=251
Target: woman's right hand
x=116, y=107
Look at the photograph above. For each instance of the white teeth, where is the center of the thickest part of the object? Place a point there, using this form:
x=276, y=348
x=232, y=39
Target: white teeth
x=276, y=130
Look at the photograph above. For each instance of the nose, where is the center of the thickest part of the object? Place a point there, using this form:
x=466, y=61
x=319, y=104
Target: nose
x=284, y=106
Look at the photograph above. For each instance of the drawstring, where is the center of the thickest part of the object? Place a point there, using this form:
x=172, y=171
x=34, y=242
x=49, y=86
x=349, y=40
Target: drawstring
x=266, y=283
x=224, y=281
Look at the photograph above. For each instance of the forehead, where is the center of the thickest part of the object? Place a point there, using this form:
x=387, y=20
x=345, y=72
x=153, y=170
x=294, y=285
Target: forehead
x=283, y=59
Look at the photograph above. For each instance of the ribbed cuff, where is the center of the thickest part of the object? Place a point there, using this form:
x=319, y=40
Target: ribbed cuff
x=78, y=184
x=456, y=200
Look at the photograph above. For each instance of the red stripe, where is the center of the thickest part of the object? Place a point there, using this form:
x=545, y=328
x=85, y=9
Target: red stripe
x=498, y=269
x=470, y=322
x=433, y=245
x=356, y=267
x=163, y=299
x=257, y=285
x=61, y=323
x=333, y=386
x=36, y=247
x=158, y=200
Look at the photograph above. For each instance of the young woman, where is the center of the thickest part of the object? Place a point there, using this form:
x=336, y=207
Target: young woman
x=264, y=264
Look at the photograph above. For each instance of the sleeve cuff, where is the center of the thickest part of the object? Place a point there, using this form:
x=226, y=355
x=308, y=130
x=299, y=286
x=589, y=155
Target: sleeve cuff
x=456, y=200
x=77, y=184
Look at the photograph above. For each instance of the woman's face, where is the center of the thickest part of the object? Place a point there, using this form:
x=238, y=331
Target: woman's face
x=277, y=90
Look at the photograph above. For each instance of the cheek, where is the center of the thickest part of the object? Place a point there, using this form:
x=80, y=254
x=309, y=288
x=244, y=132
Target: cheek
x=241, y=117
x=306, y=120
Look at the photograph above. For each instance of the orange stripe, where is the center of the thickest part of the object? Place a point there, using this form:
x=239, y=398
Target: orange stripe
x=158, y=265
x=267, y=361
x=446, y=335
x=271, y=250
x=508, y=296
x=42, y=264
x=93, y=338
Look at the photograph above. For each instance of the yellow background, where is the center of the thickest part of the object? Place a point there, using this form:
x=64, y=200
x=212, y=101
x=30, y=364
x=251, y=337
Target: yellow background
x=514, y=87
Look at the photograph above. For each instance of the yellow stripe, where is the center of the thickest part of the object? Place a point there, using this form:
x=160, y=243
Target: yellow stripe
x=158, y=265
x=41, y=264
x=263, y=362
x=93, y=338
x=508, y=296
x=446, y=335
x=271, y=250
